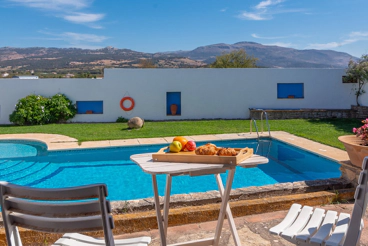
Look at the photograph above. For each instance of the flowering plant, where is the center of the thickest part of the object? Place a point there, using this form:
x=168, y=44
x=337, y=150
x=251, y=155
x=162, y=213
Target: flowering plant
x=362, y=131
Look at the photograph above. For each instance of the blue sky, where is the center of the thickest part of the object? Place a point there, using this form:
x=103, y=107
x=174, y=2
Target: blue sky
x=168, y=25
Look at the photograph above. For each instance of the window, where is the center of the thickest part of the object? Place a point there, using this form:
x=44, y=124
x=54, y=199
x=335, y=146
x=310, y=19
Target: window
x=290, y=90
x=173, y=103
x=89, y=107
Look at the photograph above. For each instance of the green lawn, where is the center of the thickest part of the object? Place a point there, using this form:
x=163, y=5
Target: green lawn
x=324, y=131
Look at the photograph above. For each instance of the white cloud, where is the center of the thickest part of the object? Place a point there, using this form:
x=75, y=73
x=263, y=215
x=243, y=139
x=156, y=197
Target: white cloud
x=265, y=4
x=254, y=35
x=223, y=10
x=84, y=18
x=282, y=44
x=73, y=37
x=252, y=16
x=358, y=34
x=53, y=4
x=77, y=40
x=265, y=10
x=65, y=9
x=353, y=37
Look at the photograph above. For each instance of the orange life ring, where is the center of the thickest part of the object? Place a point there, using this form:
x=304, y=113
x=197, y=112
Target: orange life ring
x=122, y=103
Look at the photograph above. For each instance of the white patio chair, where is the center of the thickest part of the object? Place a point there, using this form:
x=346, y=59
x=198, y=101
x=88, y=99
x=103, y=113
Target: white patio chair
x=303, y=226
x=66, y=210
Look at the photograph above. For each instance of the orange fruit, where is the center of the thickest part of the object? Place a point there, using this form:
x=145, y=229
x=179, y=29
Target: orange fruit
x=182, y=140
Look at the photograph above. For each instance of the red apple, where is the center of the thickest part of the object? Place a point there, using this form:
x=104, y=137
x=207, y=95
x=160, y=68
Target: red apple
x=190, y=146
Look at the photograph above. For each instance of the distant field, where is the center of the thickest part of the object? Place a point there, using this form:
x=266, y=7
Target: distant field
x=325, y=131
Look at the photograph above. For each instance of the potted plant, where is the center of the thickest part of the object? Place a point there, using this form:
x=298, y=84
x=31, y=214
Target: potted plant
x=357, y=146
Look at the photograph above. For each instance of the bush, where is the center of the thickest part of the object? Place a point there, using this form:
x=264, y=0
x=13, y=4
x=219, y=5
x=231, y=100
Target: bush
x=39, y=110
x=61, y=108
x=121, y=119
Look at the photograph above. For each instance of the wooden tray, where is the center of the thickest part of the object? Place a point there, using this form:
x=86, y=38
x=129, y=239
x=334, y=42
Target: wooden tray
x=191, y=157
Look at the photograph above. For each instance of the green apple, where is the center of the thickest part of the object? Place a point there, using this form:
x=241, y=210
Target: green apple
x=175, y=146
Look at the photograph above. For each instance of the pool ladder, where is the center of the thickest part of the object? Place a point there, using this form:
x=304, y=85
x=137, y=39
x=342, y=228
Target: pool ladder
x=261, y=143
x=255, y=124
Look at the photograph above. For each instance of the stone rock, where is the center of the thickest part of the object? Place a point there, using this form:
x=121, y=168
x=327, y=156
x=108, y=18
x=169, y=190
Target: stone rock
x=135, y=123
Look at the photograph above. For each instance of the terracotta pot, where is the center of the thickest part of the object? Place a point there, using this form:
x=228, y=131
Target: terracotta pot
x=173, y=109
x=355, y=148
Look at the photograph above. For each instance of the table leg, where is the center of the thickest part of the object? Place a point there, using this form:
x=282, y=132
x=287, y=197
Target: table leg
x=167, y=202
x=158, y=211
x=229, y=215
x=224, y=204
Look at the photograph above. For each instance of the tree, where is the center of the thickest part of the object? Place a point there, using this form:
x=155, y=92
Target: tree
x=358, y=71
x=234, y=59
x=146, y=63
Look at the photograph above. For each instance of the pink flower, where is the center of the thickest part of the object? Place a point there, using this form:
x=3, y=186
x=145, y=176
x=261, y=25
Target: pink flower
x=362, y=132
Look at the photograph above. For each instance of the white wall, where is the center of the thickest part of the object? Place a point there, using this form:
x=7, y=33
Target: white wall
x=205, y=93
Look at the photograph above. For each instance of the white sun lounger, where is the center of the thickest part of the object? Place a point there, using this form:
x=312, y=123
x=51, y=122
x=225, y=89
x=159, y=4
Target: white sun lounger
x=301, y=226
x=81, y=240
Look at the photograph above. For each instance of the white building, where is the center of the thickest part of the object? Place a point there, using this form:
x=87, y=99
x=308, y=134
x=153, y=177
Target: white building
x=199, y=93
x=25, y=77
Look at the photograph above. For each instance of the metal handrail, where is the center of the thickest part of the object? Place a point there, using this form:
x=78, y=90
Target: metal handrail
x=255, y=124
x=268, y=125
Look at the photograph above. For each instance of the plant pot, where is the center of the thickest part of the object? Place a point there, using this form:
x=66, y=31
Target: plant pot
x=355, y=148
x=173, y=109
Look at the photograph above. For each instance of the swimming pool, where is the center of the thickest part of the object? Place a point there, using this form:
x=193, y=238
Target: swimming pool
x=21, y=148
x=126, y=181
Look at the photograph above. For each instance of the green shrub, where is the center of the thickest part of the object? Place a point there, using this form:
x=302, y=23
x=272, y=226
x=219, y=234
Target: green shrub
x=121, y=120
x=61, y=108
x=30, y=110
x=39, y=110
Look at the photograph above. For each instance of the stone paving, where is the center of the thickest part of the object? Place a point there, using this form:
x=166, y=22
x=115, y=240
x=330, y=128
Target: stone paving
x=252, y=229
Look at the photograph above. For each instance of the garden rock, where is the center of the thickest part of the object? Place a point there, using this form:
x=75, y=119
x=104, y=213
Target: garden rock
x=135, y=123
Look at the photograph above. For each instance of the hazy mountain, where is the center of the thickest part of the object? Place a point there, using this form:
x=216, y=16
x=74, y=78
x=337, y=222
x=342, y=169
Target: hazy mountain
x=73, y=60
x=273, y=56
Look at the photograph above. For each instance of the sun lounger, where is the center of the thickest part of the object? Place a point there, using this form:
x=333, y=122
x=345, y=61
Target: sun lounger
x=303, y=226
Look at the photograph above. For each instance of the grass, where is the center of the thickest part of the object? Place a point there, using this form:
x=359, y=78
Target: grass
x=325, y=131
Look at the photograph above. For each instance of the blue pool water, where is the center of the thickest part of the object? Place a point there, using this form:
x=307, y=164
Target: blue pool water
x=126, y=181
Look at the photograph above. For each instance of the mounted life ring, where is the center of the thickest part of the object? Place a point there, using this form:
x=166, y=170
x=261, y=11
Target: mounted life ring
x=122, y=103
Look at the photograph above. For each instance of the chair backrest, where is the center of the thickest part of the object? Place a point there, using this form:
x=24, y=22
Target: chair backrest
x=75, y=209
x=356, y=225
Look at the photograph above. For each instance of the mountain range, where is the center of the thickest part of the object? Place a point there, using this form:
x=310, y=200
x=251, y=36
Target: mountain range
x=74, y=60
x=273, y=56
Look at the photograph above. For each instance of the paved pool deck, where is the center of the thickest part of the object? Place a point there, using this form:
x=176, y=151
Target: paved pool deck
x=61, y=142
x=252, y=229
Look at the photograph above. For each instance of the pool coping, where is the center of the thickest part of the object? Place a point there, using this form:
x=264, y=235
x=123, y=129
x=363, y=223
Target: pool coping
x=61, y=142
